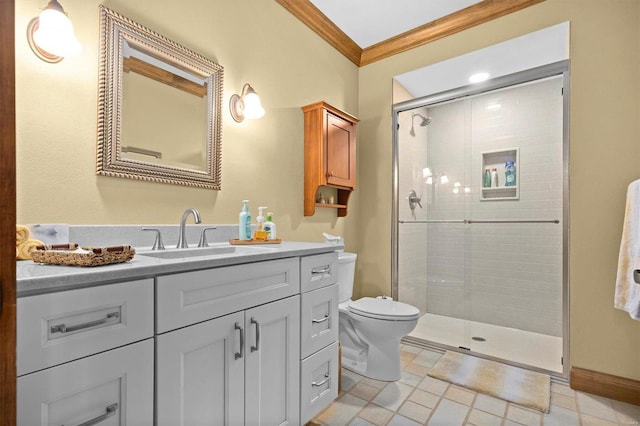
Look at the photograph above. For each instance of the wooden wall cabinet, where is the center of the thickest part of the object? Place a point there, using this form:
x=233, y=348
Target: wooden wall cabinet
x=329, y=155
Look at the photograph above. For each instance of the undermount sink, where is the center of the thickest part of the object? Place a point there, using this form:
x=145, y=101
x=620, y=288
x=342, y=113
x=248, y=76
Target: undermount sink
x=203, y=252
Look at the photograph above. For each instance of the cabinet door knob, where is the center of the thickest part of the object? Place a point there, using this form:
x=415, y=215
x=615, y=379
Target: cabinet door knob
x=330, y=174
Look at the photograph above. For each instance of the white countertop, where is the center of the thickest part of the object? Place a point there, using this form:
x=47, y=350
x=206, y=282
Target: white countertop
x=34, y=278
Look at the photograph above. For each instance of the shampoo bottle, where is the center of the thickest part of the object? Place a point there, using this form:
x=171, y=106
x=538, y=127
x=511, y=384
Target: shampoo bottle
x=244, y=222
x=261, y=234
x=270, y=227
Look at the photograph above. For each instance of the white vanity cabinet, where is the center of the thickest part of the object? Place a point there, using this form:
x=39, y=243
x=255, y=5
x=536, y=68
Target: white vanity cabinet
x=240, y=367
x=319, y=362
x=86, y=356
x=200, y=343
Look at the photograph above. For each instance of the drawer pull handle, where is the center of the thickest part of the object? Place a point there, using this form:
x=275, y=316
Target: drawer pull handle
x=317, y=321
x=110, y=411
x=327, y=378
x=320, y=271
x=62, y=328
x=241, y=353
x=257, y=346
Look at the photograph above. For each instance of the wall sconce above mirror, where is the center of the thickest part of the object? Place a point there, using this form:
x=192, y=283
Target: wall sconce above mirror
x=51, y=35
x=159, y=107
x=246, y=105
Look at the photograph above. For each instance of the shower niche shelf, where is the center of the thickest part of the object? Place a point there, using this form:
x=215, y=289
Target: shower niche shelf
x=497, y=160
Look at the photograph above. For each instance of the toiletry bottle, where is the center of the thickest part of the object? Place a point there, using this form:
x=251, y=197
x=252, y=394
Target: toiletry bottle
x=494, y=178
x=244, y=222
x=260, y=234
x=270, y=227
x=486, y=183
x=509, y=174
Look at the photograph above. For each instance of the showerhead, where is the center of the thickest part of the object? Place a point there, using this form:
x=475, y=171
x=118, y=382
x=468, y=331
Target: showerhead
x=425, y=121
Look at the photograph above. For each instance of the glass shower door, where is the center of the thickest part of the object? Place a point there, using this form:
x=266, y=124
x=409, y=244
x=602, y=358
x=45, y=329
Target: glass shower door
x=481, y=254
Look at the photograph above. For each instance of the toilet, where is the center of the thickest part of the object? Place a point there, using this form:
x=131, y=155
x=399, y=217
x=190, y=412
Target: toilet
x=370, y=328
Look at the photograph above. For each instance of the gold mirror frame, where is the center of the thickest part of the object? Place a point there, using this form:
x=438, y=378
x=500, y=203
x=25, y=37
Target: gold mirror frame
x=115, y=31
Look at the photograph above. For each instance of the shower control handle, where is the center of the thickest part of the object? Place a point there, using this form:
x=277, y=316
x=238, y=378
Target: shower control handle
x=414, y=199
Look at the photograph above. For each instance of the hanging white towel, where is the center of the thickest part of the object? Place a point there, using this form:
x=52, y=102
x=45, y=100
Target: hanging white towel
x=627, y=296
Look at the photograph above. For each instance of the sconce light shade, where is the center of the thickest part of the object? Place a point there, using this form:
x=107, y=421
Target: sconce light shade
x=246, y=105
x=51, y=35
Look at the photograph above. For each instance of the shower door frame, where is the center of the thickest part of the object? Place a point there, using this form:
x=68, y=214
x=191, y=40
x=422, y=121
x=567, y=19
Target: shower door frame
x=550, y=70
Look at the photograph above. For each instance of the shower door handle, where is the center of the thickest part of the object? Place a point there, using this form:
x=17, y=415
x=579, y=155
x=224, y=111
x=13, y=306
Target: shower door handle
x=414, y=199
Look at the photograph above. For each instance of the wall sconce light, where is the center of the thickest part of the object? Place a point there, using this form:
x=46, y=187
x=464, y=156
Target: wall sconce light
x=246, y=105
x=51, y=34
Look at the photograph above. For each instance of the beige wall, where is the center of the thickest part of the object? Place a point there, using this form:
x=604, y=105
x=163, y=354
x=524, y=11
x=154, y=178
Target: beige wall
x=604, y=158
x=256, y=41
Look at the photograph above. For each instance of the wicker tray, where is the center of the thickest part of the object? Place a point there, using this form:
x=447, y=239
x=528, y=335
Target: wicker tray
x=69, y=254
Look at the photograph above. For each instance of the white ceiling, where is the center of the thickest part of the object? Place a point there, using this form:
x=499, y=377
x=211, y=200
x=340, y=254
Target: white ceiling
x=368, y=22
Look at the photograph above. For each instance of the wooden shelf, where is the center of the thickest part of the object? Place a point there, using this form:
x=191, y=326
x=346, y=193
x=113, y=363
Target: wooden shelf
x=335, y=206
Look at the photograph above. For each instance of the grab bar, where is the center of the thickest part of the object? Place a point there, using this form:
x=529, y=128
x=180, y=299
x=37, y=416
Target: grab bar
x=471, y=221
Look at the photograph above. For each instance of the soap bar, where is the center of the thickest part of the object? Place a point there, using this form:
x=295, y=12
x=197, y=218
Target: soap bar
x=260, y=235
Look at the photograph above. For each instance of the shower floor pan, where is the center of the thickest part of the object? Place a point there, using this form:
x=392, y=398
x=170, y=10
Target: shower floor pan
x=523, y=347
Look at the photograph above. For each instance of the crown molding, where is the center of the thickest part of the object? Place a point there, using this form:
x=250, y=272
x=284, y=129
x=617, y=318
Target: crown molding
x=461, y=20
x=311, y=16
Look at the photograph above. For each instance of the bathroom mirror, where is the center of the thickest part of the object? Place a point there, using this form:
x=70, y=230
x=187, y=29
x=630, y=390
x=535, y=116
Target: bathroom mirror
x=159, y=107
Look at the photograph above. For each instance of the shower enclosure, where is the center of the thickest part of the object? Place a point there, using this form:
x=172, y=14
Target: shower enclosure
x=480, y=218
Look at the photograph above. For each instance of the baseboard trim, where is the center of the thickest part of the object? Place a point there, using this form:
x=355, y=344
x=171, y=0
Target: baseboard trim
x=607, y=385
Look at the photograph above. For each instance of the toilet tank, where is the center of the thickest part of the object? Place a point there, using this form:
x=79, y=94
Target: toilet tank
x=346, y=273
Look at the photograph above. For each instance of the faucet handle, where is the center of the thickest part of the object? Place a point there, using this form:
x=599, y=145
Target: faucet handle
x=157, y=244
x=203, y=238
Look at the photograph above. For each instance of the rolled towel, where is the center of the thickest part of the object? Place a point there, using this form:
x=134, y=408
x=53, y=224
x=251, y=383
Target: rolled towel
x=26, y=247
x=22, y=234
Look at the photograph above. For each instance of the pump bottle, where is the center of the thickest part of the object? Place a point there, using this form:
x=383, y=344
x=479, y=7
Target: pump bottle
x=270, y=227
x=244, y=222
x=260, y=234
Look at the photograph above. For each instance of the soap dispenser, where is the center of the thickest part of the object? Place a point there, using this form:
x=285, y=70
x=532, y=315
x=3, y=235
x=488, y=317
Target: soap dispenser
x=244, y=222
x=270, y=227
x=260, y=234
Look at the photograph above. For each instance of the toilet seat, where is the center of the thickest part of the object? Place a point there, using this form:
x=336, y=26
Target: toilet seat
x=383, y=309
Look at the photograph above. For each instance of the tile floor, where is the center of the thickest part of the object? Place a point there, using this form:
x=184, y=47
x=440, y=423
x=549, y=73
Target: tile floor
x=417, y=399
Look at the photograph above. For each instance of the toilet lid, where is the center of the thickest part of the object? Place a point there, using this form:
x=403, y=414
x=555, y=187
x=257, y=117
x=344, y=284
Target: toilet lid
x=384, y=309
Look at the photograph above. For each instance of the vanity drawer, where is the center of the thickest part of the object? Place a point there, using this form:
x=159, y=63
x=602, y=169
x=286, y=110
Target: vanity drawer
x=318, y=271
x=59, y=327
x=318, y=381
x=192, y=297
x=110, y=388
x=318, y=319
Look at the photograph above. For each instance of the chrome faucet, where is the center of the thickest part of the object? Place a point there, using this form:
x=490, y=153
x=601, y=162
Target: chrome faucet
x=182, y=237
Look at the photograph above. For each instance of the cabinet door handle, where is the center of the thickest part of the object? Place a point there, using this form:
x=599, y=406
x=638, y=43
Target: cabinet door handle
x=327, y=378
x=62, y=328
x=257, y=346
x=241, y=353
x=110, y=411
x=317, y=321
x=329, y=174
x=321, y=270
